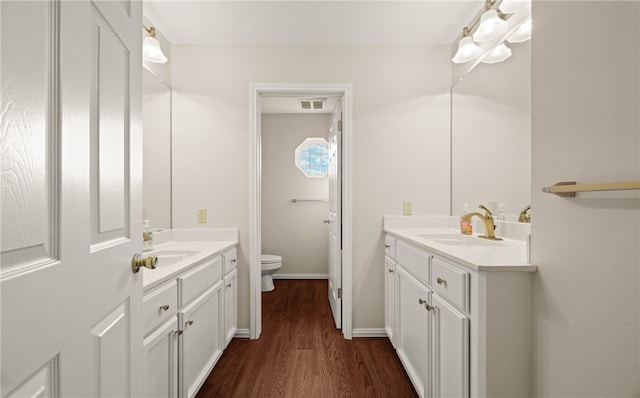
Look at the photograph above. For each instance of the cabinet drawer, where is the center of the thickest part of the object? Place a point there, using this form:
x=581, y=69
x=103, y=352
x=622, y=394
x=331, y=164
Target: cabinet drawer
x=229, y=260
x=390, y=246
x=199, y=279
x=414, y=260
x=450, y=283
x=158, y=305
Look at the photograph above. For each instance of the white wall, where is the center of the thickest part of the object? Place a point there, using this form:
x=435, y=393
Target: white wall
x=586, y=127
x=294, y=231
x=400, y=139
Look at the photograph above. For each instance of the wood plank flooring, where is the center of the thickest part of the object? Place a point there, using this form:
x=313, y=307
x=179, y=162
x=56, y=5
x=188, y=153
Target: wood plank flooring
x=300, y=353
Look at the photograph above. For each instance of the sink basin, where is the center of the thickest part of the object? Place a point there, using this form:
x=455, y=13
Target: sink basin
x=170, y=257
x=459, y=240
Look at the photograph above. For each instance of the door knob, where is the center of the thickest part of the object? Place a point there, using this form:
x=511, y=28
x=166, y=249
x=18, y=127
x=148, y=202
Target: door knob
x=148, y=262
x=326, y=221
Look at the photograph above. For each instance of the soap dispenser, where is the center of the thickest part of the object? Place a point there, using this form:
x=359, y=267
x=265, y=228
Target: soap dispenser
x=147, y=236
x=466, y=228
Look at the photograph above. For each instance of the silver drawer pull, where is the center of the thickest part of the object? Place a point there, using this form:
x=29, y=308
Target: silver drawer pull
x=391, y=271
x=387, y=246
x=424, y=302
x=441, y=281
x=233, y=260
x=164, y=307
x=228, y=285
x=188, y=323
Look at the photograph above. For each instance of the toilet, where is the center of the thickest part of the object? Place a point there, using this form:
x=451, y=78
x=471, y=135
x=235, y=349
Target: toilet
x=270, y=264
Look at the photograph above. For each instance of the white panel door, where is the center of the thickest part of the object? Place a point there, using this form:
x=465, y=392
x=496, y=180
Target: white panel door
x=390, y=299
x=202, y=325
x=335, y=217
x=413, y=333
x=450, y=350
x=71, y=142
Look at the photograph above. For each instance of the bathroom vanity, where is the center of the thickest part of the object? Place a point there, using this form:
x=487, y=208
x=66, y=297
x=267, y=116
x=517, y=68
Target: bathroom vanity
x=457, y=307
x=189, y=309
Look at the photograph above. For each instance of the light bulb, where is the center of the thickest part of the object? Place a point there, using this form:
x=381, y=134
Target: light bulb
x=467, y=51
x=498, y=54
x=522, y=34
x=152, y=52
x=491, y=27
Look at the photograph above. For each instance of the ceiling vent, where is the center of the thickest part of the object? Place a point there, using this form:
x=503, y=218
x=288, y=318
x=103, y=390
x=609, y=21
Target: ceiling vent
x=312, y=104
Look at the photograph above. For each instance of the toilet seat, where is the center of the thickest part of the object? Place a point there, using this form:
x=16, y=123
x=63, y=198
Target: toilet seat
x=270, y=259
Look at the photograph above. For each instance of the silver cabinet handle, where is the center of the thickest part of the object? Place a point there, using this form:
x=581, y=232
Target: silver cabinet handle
x=188, y=323
x=233, y=260
x=441, y=281
x=387, y=246
x=424, y=302
x=326, y=221
x=164, y=307
x=228, y=285
x=391, y=271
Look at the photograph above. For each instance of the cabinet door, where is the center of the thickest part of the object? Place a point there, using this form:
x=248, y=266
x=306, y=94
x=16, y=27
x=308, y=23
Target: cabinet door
x=450, y=350
x=390, y=299
x=230, y=306
x=413, y=332
x=201, y=343
x=160, y=373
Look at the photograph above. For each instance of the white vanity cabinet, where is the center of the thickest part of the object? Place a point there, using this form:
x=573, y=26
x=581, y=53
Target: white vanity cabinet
x=390, y=299
x=188, y=320
x=202, y=338
x=414, y=329
x=230, y=259
x=459, y=332
x=161, y=361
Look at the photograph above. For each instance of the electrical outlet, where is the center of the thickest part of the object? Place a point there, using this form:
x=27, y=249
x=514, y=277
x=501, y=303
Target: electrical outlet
x=407, y=207
x=202, y=216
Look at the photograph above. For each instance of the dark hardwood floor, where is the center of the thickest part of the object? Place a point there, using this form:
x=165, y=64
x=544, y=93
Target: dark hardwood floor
x=301, y=354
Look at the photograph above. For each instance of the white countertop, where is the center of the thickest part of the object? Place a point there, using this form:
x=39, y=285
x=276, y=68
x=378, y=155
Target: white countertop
x=206, y=243
x=504, y=255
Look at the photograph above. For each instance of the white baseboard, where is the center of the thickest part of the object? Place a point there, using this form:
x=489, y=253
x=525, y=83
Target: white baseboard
x=242, y=334
x=373, y=332
x=300, y=276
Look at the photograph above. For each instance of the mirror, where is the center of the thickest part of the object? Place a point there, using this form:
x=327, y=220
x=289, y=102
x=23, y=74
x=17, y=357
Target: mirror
x=156, y=170
x=491, y=136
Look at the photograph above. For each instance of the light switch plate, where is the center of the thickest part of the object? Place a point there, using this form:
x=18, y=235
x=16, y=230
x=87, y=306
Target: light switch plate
x=202, y=216
x=407, y=207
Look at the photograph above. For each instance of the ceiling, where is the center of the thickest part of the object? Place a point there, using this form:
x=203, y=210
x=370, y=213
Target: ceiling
x=319, y=22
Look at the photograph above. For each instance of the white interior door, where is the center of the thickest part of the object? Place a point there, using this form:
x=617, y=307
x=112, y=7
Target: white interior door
x=335, y=218
x=71, y=171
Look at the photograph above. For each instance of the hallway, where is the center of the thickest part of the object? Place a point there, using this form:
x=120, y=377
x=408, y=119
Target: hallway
x=301, y=354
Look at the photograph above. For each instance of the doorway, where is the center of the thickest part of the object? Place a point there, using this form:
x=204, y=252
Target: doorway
x=258, y=92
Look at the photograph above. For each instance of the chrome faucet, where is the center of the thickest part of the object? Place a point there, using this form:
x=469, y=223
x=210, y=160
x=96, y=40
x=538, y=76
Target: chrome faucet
x=524, y=215
x=487, y=219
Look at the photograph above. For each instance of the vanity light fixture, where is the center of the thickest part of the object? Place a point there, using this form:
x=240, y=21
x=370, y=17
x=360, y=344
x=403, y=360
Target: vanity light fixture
x=151, y=50
x=467, y=49
x=522, y=34
x=491, y=26
x=498, y=54
x=484, y=38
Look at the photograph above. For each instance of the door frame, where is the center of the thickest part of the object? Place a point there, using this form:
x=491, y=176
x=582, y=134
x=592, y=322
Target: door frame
x=257, y=91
